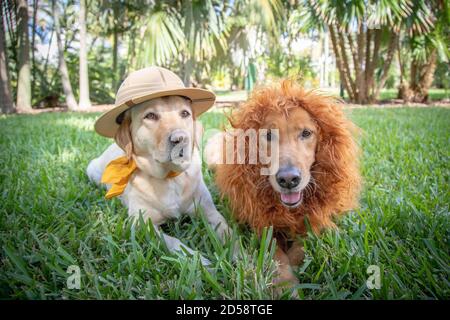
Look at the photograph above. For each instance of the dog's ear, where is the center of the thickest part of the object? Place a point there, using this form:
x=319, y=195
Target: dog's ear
x=123, y=136
x=198, y=132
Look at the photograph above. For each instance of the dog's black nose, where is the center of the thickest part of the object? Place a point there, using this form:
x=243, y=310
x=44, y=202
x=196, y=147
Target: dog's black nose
x=288, y=177
x=177, y=136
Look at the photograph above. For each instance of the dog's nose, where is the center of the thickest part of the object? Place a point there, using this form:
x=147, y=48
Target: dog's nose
x=288, y=177
x=178, y=136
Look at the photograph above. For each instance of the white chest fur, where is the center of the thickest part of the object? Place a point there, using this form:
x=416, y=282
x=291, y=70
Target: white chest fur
x=161, y=199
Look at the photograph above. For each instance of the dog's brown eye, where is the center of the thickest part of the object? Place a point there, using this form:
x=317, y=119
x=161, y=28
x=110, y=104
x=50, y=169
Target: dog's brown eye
x=306, y=133
x=185, y=114
x=152, y=116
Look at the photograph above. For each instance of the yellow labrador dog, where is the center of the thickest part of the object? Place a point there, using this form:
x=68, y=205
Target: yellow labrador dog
x=160, y=136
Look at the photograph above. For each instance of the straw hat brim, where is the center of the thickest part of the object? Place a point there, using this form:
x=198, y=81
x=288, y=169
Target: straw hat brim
x=202, y=100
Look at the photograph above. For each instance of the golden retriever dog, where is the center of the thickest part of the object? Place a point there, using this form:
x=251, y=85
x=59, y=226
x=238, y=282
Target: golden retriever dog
x=318, y=174
x=160, y=136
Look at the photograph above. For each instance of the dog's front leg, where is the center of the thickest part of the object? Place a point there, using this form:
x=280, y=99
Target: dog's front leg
x=172, y=243
x=175, y=245
x=296, y=254
x=286, y=277
x=215, y=219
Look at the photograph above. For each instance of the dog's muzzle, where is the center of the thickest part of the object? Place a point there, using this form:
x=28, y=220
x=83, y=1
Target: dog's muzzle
x=179, y=145
x=288, y=179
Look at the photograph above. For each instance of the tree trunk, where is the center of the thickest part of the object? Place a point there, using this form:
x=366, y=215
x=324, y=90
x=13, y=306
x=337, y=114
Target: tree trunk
x=346, y=64
x=344, y=77
x=413, y=75
x=372, y=65
x=44, y=81
x=359, y=80
x=115, y=54
x=426, y=76
x=360, y=75
x=23, y=63
x=367, y=62
x=65, y=80
x=115, y=46
x=326, y=68
x=6, y=99
x=404, y=91
x=387, y=63
x=358, y=54
x=33, y=37
x=84, y=78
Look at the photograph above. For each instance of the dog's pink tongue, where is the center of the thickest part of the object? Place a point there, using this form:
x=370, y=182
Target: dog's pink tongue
x=292, y=197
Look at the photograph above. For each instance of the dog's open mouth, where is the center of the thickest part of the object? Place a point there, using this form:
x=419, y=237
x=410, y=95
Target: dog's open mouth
x=291, y=199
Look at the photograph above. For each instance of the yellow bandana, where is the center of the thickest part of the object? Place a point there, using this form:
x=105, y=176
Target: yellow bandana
x=118, y=172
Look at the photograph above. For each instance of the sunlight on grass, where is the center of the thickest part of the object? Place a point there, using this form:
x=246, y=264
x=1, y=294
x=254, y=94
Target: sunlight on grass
x=76, y=122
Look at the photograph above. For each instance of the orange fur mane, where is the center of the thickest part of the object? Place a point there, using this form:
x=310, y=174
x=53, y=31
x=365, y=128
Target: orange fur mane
x=335, y=171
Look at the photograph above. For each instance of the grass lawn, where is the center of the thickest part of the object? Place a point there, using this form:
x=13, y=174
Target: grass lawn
x=435, y=94
x=52, y=217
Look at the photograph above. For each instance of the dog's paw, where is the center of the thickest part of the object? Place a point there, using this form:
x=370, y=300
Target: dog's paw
x=285, y=281
x=223, y=231
x=205, y=262
x=285, y=286
x=296, y=254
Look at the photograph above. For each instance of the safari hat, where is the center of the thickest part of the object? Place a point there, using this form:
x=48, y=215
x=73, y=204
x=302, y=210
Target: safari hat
x=146, y=84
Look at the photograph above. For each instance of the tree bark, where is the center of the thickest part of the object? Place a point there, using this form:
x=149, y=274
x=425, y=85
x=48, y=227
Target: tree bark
x=339, y=63
x=360, y=71
x=115, y=54
x=413, y=75
x=373, y=63
x=367, y=62
x=84, y=78
x=65, y=80
x=404, y=92
x=33, y=37
x=387, y=63
x=326, y=47
x=346, y=65
x=115, y=46
x=44, y=80
x=6, y=98
x=426, y=77
x=23, y=63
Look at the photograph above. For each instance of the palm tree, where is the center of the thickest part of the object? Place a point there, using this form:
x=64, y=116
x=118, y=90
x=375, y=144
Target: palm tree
x=23, y=59
x=6, y=98
x=204, y=32
x=244, y=20
x=185, y=31
x=118, y=18
x=161, y=36
x=423, y=49
x=364, y=35
x=181, y=33
x=64, y=72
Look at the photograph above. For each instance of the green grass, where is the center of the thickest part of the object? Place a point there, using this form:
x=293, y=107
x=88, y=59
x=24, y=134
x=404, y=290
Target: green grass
x=435, y=94
x=51, y=217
